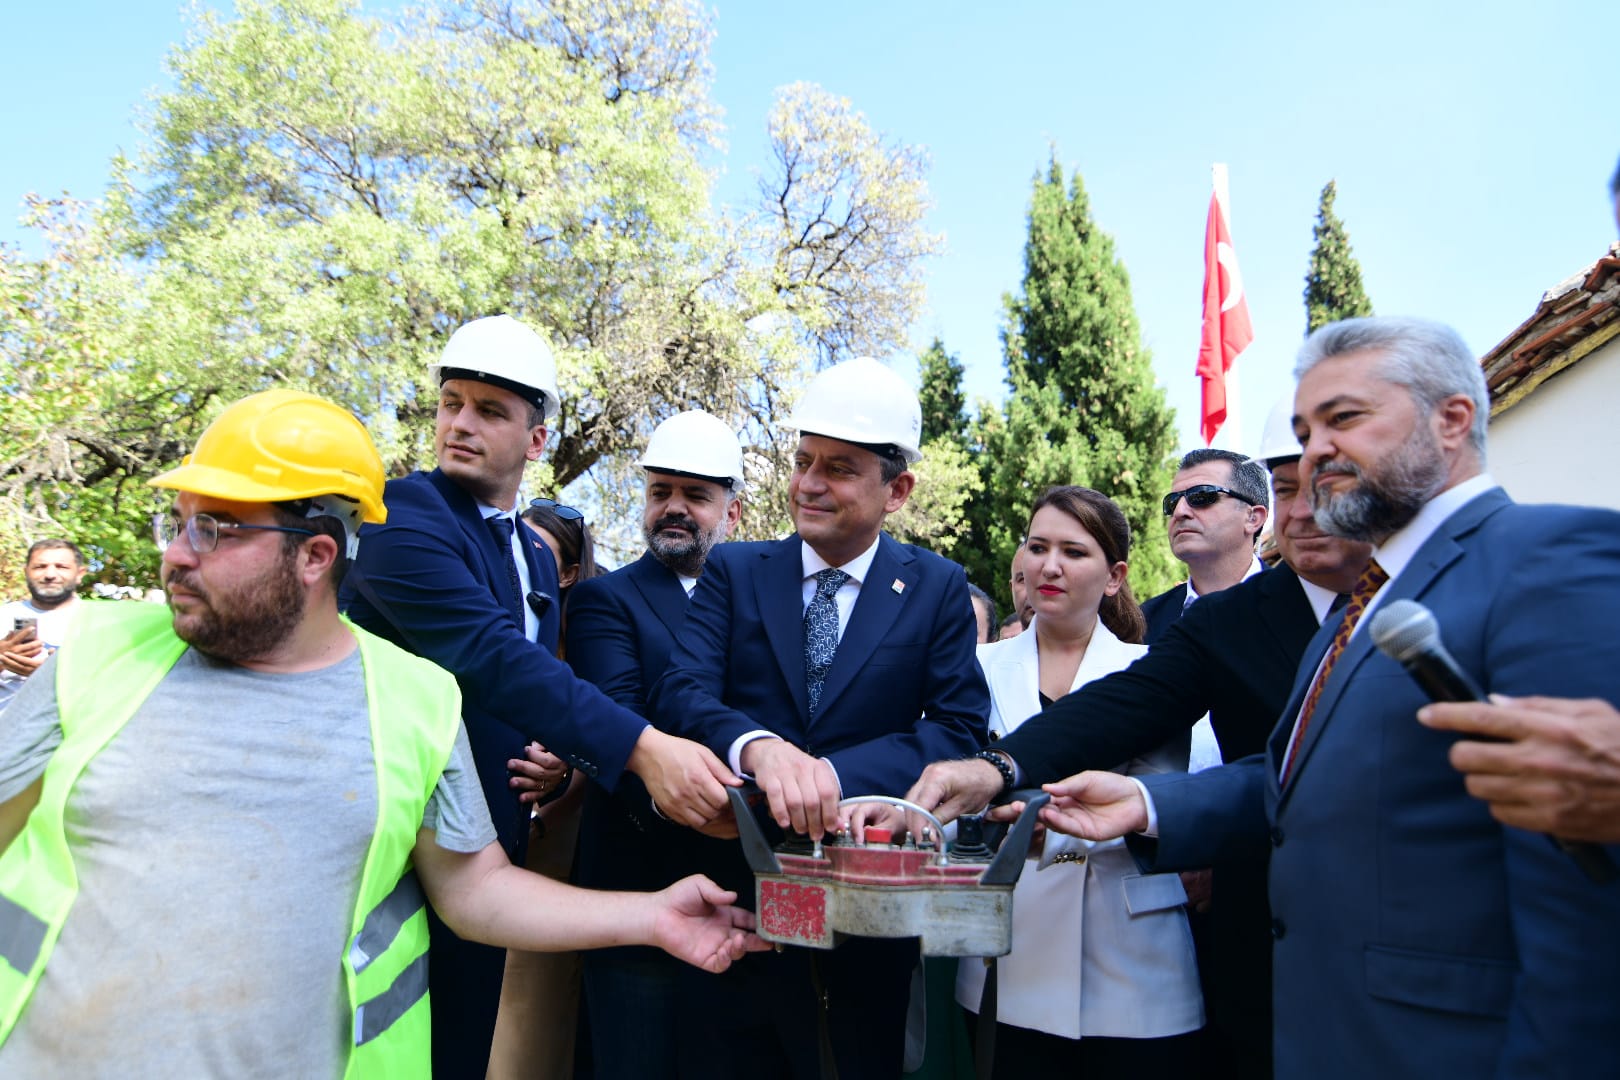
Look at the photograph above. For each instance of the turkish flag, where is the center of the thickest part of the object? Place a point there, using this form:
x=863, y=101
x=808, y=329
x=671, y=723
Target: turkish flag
x=1227, y=331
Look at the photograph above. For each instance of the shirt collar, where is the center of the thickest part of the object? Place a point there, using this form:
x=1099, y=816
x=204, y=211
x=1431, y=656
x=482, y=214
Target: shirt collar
x=857, y=568
x=1396, y=552
x=1321, y=600
x=1255, y=566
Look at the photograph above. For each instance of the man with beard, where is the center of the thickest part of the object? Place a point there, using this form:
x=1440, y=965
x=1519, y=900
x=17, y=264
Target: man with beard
x=453, y=578
x=1412, y=932
x=833, y=662
x=33, y=628
x=621, y=630
x=1233, y=657
x=218, y=821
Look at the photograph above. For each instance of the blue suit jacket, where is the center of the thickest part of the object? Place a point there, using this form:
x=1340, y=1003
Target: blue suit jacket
x=904, y=688
x=621, y=630
x=433, y=581
x=1414, y=934
x=1164, y=611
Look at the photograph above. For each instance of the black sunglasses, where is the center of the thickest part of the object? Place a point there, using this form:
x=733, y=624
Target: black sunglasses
x=1200, y=496
x=567, y=513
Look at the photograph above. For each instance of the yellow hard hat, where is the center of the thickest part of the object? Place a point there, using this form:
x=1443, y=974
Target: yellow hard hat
x=283, y=445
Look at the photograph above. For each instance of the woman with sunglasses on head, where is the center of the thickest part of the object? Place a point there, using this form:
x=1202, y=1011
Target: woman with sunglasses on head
x=536, y=1026
x=1102, y=973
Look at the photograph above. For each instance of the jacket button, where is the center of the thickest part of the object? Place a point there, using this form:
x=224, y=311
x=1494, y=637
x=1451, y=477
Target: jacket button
x=1276, y=836
x=1278, y=929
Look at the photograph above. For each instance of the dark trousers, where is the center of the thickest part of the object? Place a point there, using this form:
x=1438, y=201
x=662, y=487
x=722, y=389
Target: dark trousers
x=632, y=997
x=762, y=1017
x=1021, y=1053
x=464, y=982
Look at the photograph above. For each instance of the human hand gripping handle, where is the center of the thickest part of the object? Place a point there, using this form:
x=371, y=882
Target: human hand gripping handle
x=1095, y=806
x=697, y=921
x=802, y=791
x=686, y=781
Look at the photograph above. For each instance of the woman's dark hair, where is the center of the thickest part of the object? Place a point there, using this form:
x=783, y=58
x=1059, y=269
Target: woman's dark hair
x=1105, y=521
x=573, y=538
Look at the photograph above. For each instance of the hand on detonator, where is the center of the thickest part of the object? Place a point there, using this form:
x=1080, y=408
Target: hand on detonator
x=802, y=790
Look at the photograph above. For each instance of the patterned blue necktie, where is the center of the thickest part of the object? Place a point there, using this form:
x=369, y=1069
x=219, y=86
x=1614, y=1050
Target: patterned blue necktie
x=821, y=632
x=501, y=527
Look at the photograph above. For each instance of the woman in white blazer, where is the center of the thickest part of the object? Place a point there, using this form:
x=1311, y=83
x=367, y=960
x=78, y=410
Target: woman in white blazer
x=1102, y=979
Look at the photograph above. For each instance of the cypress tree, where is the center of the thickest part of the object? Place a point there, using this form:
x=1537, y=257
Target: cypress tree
x=1333, y=289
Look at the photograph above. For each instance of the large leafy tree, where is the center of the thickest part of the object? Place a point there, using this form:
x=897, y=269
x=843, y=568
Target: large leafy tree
x=331, y=194
x=1084, y=407
x=1333, y=288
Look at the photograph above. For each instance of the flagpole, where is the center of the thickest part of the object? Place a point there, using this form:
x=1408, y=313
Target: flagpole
x=1230, y=437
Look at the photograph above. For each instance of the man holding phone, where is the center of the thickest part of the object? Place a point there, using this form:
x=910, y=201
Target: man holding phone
x=34, y=627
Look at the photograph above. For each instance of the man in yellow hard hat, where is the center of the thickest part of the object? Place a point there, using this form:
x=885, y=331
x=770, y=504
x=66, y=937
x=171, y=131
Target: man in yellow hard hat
x=218, y=822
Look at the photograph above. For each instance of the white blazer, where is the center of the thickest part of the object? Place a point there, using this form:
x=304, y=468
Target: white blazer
x=1099, y=948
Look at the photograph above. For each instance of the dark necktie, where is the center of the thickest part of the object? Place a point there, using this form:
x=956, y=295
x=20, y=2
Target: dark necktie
x=821, y=632
x=1370, y=581
x=501, y=527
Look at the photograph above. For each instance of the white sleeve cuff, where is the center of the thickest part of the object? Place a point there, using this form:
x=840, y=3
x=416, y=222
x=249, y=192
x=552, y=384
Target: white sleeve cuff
x=1153, y=811
x=734, y=755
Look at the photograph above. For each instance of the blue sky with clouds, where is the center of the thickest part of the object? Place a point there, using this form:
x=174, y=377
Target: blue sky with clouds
x=1471, y=142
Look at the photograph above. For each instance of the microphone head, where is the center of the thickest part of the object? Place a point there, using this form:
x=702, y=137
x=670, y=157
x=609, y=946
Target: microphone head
x=1403, y=629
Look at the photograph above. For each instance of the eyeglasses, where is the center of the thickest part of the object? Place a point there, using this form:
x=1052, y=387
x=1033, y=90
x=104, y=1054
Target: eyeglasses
x=567, y=513
x=1200, y=496
x=202, y=531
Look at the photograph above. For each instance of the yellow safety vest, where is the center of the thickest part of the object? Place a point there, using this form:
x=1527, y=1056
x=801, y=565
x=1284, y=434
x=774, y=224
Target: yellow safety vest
x=112, y=660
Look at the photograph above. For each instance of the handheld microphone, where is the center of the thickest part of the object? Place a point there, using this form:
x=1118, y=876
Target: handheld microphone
x=1407, y=633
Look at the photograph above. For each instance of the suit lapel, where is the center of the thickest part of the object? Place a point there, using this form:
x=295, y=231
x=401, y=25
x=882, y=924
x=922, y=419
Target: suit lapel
x=477, y=534
x=779, y=595
x=876, y=608
x=661, y=589
x=1013, y=673
x=1438, y=552
x=1285, y=610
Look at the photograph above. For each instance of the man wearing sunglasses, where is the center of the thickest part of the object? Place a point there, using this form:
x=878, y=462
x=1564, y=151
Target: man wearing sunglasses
x=218, y=820
x=1214, y=512
x=452, y=577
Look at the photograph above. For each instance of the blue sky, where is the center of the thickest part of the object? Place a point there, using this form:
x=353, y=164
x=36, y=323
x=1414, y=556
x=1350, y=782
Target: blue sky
x=1471, y=142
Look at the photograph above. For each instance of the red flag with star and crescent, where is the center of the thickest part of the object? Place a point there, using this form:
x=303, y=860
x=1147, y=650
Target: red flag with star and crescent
x=1227, y=331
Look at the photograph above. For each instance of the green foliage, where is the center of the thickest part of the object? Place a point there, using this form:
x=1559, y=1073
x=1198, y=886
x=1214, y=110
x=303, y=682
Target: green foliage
x=1333, y=289
x=944, y=406
x=331, y=194
x=1084, y=407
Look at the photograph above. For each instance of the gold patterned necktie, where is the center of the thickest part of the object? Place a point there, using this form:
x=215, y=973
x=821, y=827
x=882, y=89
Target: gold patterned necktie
x=1370, y=581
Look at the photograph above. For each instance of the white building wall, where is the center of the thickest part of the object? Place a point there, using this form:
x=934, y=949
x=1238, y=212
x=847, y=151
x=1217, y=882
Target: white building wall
x=1560, y=444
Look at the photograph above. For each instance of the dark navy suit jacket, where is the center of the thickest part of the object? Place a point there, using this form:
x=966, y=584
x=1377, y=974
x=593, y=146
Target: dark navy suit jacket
x=1163, y=610
x=433, y=581
x=904, y=688
x=621, y=630
x=1414, y=934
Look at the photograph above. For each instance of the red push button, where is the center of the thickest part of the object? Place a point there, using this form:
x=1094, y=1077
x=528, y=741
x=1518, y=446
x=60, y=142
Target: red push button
x=879, y=836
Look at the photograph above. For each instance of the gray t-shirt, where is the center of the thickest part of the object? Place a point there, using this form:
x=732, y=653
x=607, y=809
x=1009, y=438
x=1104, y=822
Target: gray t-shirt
x=219, y=840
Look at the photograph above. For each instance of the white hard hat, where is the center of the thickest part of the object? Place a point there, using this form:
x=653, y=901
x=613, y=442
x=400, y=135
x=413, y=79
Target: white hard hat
x=696, y=444
x=503, y=352
x=1278, y=444
x=862, y=401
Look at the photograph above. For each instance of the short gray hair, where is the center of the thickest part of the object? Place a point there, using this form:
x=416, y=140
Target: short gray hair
x=1249, y=477
x=1428, y=358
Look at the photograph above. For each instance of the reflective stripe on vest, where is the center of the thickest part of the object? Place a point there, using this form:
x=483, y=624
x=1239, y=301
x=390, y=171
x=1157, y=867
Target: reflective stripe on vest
x=21, y=934
x=107, y=667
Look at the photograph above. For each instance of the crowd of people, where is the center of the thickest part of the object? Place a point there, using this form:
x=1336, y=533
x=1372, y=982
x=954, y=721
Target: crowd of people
x=399, y=784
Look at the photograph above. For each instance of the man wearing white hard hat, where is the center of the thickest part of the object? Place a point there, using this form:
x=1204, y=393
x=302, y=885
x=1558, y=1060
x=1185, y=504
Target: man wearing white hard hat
x=621, y=629
x=836, y=662
x=453, y=578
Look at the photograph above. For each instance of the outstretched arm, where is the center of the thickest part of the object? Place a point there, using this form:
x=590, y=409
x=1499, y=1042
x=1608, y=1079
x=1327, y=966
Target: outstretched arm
x=483, y=897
